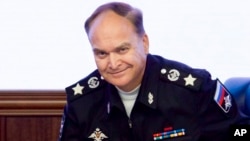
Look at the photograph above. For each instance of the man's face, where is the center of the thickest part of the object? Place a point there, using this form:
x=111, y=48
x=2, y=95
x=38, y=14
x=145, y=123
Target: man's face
x=120, y=54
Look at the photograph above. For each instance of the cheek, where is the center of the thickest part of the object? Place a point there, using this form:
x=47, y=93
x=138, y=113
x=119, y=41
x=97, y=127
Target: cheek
x=130, y=59
x=138, y=57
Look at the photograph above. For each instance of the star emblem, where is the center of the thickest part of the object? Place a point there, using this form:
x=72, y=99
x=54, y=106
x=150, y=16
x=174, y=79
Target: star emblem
x=189, y=80
x=78, y=89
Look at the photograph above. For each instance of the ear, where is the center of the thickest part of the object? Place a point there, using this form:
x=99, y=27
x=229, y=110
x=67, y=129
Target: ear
x=145, y=41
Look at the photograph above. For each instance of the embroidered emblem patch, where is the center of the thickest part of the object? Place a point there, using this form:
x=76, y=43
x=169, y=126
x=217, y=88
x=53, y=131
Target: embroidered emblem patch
x=97, y=135
x=222, y=97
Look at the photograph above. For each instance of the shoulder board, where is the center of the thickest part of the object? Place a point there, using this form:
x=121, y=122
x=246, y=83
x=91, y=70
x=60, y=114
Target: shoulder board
x=184, y=76
x=85, y=86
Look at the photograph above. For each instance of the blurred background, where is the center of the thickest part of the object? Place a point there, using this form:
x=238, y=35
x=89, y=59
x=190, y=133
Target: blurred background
x=43, y=44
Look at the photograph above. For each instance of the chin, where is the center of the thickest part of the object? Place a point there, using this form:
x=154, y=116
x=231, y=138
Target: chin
x=119, y=83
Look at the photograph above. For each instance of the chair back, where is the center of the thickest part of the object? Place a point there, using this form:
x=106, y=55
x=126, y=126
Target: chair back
x=239, y=87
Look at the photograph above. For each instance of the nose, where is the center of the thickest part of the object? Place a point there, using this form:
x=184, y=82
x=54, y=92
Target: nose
x=114, y=61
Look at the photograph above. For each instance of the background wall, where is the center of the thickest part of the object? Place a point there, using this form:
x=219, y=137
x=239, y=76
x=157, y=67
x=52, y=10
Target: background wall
x=43, y=44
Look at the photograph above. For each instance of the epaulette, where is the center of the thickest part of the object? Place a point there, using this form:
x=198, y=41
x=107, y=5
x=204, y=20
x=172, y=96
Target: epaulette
x=183, y=76
x=85, y=86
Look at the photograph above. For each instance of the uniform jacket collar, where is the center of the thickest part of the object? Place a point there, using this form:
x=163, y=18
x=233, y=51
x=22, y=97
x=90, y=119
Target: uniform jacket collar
x=148, y=90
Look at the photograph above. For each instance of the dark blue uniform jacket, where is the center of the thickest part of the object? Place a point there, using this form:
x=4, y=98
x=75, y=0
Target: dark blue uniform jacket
x=175, y=103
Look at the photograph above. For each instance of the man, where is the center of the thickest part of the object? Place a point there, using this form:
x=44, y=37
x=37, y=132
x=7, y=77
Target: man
x=137, y=96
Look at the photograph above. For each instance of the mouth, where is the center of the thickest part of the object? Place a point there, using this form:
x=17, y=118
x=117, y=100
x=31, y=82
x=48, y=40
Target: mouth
x=117, y=73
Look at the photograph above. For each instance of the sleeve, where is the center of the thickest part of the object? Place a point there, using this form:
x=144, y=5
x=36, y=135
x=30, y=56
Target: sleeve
x=217, y=113
x=69, y=130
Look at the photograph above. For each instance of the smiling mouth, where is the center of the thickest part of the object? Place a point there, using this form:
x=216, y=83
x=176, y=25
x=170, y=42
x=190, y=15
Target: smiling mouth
x=117, y=72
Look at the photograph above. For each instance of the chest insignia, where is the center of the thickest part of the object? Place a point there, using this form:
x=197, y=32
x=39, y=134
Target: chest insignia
x=150, y=98
x=78, y=89
x=97, y=135
x=169, y=134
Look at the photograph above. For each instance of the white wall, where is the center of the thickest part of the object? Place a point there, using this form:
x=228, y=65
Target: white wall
x=43, y=44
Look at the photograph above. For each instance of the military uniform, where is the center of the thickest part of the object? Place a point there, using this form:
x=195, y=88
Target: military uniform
x=175, y=103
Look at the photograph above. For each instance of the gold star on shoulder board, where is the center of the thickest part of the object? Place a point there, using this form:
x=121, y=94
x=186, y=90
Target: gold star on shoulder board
x=189, y=80
x=78, y=89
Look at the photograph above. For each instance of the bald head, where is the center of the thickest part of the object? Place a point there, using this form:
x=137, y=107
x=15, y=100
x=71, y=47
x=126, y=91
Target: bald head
x=124, y=10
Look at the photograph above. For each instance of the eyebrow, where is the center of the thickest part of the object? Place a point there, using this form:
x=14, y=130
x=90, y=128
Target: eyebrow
x=115, y=49
x=98, y=50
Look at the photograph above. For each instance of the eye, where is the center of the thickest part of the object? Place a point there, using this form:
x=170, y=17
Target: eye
x=123, y=50
x=100, y=54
